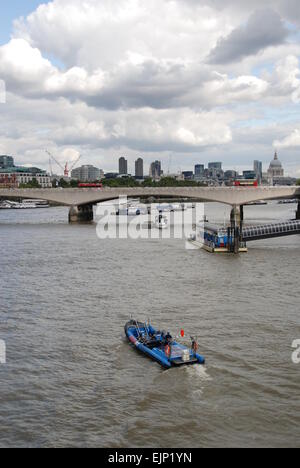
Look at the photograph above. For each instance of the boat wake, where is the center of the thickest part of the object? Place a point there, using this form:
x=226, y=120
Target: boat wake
x=199, y=372
x=199, y=376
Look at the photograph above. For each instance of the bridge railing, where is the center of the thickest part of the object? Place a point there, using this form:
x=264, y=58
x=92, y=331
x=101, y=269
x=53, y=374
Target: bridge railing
x=254, y=232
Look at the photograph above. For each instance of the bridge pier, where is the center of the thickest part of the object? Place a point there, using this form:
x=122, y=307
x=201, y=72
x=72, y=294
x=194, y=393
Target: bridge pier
x=298, y=211
x=241, y=221
x=81, y=214
x=236, y=228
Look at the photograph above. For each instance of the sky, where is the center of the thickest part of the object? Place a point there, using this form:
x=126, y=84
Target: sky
x=12, y=10
x=183, y=81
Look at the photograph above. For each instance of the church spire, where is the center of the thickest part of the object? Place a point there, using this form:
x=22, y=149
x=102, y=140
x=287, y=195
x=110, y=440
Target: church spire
x=276, y=156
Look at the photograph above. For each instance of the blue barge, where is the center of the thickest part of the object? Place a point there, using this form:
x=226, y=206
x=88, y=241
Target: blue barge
x=215, y=239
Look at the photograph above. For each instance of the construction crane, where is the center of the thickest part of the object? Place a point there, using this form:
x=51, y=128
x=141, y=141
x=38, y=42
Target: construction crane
x=65, y=169
x=50, y=166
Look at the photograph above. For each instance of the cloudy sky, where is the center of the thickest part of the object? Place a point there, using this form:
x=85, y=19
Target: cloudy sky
x=185, y=81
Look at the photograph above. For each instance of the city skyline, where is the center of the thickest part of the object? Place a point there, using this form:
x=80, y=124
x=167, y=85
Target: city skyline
x=156, y=168
x=229, y=90
x=139, y=167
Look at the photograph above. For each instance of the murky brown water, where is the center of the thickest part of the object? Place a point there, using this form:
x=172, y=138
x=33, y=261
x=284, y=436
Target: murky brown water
x=72, y=380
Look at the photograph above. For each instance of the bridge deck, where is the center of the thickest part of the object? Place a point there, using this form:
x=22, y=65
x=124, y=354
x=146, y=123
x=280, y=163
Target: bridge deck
x=228, y=195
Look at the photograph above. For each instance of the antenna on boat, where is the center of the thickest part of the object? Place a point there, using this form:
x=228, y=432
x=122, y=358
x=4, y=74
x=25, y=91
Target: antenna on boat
x=148, y=326
x=137, y=328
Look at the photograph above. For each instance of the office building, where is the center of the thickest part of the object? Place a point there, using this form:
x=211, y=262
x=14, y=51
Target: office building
x=258, y=169
x=249, y=175
x=139, y=169
x=6, y=162
x=199, y=171
x=86, y=173
x=15, y=176
x=155, y=170
x=215, y=165
x=123, y=166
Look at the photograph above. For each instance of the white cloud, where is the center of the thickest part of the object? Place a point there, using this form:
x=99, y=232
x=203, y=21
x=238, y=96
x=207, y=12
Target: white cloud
x=149, y=130
x=264, y=28
x=287, y=78
x=23, y=65
x=139, y=82
x=2, y=92
x=97, y=33
x=222, y=90
x=29, y=73
x=102, y=76
x=28, y=125
x=291, y=141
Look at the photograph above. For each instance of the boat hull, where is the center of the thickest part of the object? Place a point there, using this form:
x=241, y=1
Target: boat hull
x=212, y=249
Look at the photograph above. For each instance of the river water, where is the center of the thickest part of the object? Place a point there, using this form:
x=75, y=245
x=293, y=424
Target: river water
x=71, y=379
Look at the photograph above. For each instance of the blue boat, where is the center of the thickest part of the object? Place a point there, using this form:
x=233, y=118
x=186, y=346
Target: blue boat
x=161, y=347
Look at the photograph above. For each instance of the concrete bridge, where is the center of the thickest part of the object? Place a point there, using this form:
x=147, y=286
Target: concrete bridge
x=81, y=201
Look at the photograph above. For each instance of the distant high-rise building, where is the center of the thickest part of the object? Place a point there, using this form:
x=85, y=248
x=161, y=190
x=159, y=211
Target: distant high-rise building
x=258, y=169
x=139, y=168
x=249, y=175
x=215, y=165
x=199, y=170
x=6, y=162
x=155, y=170
x=123, y=166
x=215, y=171
x=86, y=173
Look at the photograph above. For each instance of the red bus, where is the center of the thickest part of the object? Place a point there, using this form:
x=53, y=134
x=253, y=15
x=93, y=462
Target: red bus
x=246, y=183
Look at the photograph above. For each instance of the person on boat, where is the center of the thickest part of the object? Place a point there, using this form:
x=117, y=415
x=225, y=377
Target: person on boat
x=168, y=338
x=167, y=342
x=194, y=345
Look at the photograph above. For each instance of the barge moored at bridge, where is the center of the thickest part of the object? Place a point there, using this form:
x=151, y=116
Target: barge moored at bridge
x=217, y=239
